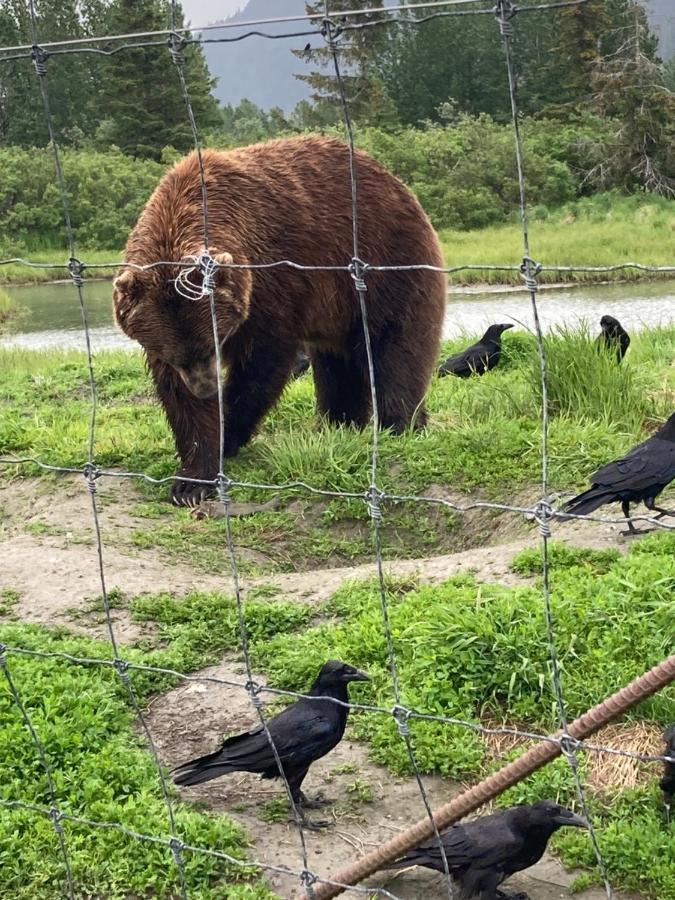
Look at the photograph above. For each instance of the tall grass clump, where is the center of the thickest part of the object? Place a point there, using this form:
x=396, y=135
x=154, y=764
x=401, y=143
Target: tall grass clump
x=586, y=383
x=8, y=308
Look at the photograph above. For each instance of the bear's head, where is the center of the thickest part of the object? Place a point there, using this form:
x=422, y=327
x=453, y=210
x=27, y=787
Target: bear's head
x=169, y=313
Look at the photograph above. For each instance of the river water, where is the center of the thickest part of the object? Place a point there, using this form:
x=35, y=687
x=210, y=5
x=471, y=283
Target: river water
x=53, y=319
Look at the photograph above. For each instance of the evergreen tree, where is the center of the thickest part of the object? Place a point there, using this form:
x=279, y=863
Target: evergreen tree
x=630, y=87
x=69, y=78
x=359, y=48
x=141, y=95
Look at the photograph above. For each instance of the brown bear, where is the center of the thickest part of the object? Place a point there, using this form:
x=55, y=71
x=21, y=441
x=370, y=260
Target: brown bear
x=288, y=199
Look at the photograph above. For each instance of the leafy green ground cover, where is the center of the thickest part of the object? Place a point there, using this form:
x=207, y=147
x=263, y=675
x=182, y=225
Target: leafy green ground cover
x=484, y=435
x=101, y=769
x=614, y=618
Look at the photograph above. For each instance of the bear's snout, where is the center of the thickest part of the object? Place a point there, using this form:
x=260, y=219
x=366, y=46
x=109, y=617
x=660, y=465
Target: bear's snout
x=201, y=379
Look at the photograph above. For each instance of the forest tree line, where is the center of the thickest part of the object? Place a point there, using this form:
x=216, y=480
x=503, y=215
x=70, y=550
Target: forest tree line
x=429, y=99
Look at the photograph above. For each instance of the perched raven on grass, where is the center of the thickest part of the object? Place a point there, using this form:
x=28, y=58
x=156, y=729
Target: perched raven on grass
x=484, y=852
x=302, y=733
x=478, y=358
x=641, y=475
x=614, y=336
x=667, y=783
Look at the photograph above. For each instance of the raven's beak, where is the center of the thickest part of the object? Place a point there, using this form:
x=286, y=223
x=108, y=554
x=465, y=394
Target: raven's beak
x=576, y=821
x=358, y=675
x=504, y=327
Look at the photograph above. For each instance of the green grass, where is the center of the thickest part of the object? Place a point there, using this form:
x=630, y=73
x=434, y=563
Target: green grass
x=478, y=652
x=102, y=772
x=9, y=309
x=484, y=435
x=614, y=618
x=16, y=273
x=601, y=230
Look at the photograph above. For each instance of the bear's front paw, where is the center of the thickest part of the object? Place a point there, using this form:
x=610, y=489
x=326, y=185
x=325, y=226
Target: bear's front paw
x=187, y=493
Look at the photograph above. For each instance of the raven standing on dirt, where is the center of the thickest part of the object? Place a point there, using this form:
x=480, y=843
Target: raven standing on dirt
x=640, y=475
x=302, y=733
x=478, y=358
x=614, y=336
x=484, y=852
x=667, y=783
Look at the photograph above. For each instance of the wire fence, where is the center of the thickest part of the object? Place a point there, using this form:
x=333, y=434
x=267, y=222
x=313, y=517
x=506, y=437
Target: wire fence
x=332, y=26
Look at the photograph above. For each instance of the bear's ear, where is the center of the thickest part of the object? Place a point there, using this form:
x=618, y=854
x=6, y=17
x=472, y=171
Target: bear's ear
x=233, y=285
x=128, y=288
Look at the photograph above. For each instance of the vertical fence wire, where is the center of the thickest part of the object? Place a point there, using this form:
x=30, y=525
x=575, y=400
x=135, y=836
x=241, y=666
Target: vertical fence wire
x=90, y=470
x=209, y=270
x=505, y=12
x=358, y=271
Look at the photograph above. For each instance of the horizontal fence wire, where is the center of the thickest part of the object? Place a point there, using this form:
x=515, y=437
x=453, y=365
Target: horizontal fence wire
x=391, y=16
x=332, y=26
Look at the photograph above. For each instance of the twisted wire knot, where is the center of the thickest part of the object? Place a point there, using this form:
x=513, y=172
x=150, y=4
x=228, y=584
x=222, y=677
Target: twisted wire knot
x=504, y=11
x=209, y=267
x=223, y=487
x=569, y=746
x=529, y=269
x=121, y=666
x=91, y=473
x=331, y=33
x=3, y=658
x=253, y=689
x=56, y=815
x=39, y=57
x=76, y=269
x=307, y=878
x=177, y=846
x=401, y=716
x=373, y=497
x=176, y=46
x=543, y=513
x=357, y=269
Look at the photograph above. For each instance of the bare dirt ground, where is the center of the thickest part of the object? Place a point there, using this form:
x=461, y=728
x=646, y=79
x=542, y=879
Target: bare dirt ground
x=49, y=557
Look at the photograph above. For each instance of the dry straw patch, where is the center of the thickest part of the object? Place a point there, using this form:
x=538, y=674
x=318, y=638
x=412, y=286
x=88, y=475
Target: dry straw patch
x=606, y=773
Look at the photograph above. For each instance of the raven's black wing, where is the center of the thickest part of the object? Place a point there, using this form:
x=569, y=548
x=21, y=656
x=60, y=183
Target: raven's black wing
x=650, y=463
x=473, y=359
x=300, y=736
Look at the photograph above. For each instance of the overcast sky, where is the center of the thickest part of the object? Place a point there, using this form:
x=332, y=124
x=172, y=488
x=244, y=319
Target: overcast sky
x=201, y=12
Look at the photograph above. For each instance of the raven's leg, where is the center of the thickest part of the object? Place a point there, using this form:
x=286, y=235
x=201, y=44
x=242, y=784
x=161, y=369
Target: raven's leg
x=294, y=782
x=625, y=509
x=316, y=803
x=652, y=507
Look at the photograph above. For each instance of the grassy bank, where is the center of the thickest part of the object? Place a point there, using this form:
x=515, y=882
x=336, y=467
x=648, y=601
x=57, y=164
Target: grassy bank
x=17, y=273
x=483, y=438
x=602, y=230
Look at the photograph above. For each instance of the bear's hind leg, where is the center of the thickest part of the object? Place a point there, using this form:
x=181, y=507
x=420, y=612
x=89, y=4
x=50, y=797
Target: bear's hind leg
x=342, y=388
x=402, y=374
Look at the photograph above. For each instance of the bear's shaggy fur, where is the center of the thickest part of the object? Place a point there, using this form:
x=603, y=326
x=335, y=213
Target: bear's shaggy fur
x=286, y=199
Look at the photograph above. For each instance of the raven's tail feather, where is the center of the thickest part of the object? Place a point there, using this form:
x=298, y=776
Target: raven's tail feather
x=202, y=769
x=589, y=501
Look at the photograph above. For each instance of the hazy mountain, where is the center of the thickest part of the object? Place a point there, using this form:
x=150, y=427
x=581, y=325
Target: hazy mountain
x=257, y=68
x=263, y=70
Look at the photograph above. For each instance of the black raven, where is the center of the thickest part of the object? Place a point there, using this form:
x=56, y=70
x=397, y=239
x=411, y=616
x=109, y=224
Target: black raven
x=614, y=336
x=640, y=475
x=302, y=733
x=485, y=851
x=478, y=358
x=667, y=783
